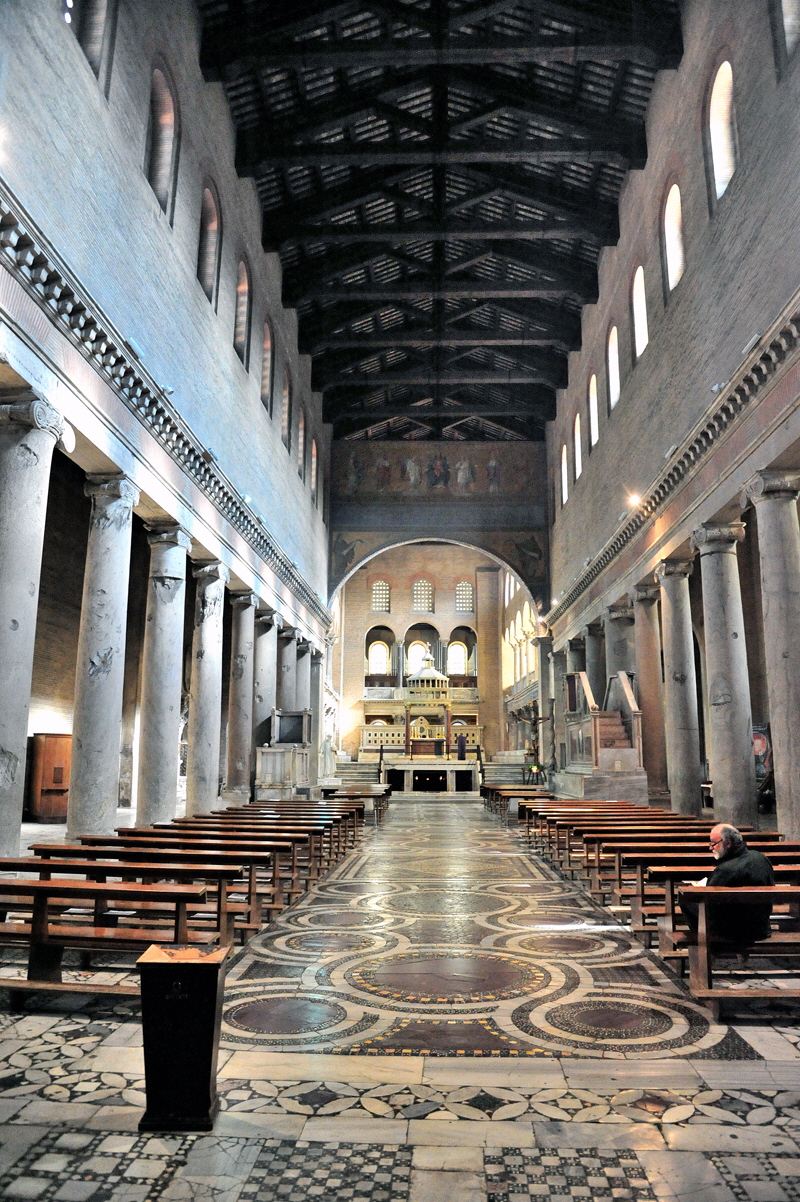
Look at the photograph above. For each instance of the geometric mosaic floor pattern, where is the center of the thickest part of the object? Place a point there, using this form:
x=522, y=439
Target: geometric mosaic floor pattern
x=445, y=935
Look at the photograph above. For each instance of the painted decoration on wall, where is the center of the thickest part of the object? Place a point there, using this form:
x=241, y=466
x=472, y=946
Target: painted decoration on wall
x=462, y=470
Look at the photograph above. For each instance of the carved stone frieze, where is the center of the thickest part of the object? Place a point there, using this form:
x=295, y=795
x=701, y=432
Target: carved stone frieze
x=27, y=255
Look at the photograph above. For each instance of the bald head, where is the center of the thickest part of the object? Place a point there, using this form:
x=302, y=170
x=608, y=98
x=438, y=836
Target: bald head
x=723, y=839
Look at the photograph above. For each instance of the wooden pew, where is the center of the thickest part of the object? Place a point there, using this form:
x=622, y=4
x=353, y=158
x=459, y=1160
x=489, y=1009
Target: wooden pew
x=784, y=943
x=220, y=875
x=47, y=935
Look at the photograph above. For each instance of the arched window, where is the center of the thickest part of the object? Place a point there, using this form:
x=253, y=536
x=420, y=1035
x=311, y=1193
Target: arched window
x=208, y=243
x=314, y=471
x=378, y=659
x=594, y=419
x=465, y=597
x=639, y=305
x=790, y=12
x=89, y=20
x=241, y=327
x=456, y=659
x=564, y=475
x=721, y=129
x=162, y=140
x=422, y=596
x=415, y=657
x=266, y=368
x=381, y=596
x=301, y=445
x=286, y=410
x=673, y=236
x=612, y=358
x=578, y=448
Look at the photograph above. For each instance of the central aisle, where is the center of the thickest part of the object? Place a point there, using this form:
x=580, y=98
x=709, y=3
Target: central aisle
x=444, y=935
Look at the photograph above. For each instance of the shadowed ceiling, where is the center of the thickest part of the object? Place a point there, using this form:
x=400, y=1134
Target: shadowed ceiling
x=439, y=178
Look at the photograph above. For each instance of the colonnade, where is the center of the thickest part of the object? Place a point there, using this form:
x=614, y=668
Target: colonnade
x=270, y=666
x=650, y=633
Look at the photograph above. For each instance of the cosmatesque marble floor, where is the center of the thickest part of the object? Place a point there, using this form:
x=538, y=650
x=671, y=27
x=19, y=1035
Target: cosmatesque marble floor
x=443, y=1017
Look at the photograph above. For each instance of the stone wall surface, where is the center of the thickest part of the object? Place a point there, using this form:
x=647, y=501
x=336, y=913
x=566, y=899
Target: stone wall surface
x=741, y=270
x=83, y=184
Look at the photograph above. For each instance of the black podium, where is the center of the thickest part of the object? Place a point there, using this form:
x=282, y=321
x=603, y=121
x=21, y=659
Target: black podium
x=181, y=1013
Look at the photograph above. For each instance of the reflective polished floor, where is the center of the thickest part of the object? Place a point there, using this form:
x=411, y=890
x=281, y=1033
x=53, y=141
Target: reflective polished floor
x=444, y=935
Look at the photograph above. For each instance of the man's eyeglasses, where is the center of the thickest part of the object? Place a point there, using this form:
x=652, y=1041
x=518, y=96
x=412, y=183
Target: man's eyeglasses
x=715, y=843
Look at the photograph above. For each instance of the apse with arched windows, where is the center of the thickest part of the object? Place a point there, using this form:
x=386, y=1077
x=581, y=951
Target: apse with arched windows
x=413, y=607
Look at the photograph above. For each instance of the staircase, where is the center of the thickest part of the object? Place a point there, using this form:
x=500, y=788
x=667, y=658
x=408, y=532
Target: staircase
x=612, y=732
x=355, y=773
x=503, y=774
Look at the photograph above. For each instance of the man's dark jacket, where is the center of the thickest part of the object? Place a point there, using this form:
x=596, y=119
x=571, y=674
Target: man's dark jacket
x=741, y=923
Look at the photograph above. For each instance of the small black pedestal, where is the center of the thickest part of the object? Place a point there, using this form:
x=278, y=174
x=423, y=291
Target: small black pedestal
x=181, y=1014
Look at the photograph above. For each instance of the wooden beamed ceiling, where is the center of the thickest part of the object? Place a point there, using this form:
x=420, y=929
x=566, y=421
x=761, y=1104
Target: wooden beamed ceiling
x=439, y=178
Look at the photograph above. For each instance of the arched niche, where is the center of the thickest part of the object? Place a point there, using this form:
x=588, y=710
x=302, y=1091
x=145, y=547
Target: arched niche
x=380, y=658
x=462, y=646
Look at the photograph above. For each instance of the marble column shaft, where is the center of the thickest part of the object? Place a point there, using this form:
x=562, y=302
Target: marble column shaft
x=647, y=638
x=205, y=693
x=302, y=698
x=265, y=675
x=594, y=654
x=317, y=713
x=774, y=495
x=100, y=667
x=680, y=687
x=618, y=621
x=240, y=694
x=287, y=671
x=29, y=430
x=543, y=646
x=730, y=734
x=162, y=676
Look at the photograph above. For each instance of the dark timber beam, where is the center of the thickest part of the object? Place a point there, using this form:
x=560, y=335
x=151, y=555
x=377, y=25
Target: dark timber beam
x=337, y=235
x=446, y=379
x=580, y=285
x=424, y=341
x=253, y=158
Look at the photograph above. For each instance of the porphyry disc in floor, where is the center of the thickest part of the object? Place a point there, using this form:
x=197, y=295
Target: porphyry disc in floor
x=464, y=977
x=285, y=1015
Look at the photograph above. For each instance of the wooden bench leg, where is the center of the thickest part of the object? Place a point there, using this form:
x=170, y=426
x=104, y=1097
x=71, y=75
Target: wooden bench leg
x=44, y=958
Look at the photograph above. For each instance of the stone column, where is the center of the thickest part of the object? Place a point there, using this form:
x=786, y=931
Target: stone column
x=162, y=676
x=302, y=698
x=558, y=666
x=647, y=639
x=205, y=690
x=774, y=495
x=595, y=661
x=265, y=675
x=576, y=659
x=543, y=645
x=317, y=713
x=287, y=670
x=240, y=699
x=680, y=687
x=100, y=668
x=29, y=429
x=618, y=621
x=730, y=724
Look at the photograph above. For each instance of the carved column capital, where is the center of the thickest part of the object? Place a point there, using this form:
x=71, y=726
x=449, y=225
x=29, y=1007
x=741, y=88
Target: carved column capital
x=593, y=630
x=113, y=499
x=644, y=594
x=618, y=613
x=168, y=535
x=770, y=485
x=35, y=412
x=715, y=538
x=244, y=600
x=208, y=573
x=669, y=568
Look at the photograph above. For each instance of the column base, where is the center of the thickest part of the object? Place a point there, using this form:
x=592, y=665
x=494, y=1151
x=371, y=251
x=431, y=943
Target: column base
x=231, y=798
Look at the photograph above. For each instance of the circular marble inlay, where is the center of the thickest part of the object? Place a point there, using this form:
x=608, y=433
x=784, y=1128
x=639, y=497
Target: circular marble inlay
x=564, y=945
x=465, y=977
x=285, y=1015
x=325, y=942
x=342, y=918
x=609, y=1020
x=443, y=901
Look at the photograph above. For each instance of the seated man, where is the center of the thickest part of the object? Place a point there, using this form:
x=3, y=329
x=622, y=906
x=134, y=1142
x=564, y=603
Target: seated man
x=738, y=865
